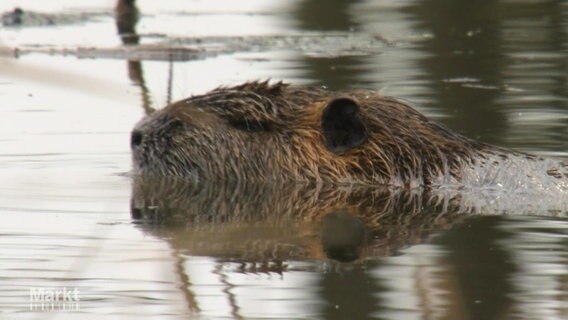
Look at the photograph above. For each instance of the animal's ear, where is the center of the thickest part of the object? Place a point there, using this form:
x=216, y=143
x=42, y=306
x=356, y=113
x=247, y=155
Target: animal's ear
x=342, y=126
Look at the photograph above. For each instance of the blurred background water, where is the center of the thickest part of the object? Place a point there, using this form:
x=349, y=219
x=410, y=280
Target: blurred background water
x=71, y=89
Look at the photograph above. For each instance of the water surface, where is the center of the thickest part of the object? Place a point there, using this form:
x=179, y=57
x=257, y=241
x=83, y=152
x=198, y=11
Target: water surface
x=71, y=90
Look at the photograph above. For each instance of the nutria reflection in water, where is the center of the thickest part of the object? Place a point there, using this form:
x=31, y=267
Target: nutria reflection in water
x=262, y=223
x=262, y=133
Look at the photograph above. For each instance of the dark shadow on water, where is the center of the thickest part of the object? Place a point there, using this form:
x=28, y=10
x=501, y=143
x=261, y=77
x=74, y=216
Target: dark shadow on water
x=335, y=73
x=465, y=54
x=351, y=294
x=320, y=15
x=474, y=252
x=480, y=55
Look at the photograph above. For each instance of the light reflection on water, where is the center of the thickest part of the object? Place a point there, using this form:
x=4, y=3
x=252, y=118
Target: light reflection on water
x=495, y=71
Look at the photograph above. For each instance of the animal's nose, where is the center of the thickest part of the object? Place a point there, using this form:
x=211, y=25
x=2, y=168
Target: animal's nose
x=136, y=138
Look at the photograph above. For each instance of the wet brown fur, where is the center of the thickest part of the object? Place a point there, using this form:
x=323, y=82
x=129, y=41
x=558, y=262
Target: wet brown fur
x=202, y=137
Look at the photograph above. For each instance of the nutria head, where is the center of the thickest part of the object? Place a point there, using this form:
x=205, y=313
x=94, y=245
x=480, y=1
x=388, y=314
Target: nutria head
x=262, y=132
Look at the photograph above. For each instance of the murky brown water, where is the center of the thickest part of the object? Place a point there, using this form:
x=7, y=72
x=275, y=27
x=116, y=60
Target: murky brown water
x=70, y=92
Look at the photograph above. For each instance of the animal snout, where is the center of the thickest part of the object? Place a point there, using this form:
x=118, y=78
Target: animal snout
x=136, y=138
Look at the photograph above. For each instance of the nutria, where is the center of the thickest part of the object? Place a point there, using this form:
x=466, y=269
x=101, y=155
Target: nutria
x=279, y=132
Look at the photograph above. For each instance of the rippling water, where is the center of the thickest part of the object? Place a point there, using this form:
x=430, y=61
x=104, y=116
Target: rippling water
x=70, y=216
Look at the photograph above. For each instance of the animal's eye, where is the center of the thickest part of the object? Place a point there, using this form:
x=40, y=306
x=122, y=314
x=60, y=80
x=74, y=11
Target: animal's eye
x=251, y=125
